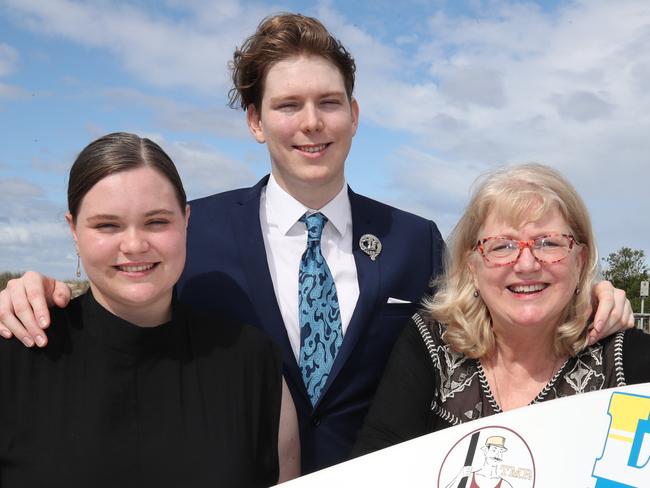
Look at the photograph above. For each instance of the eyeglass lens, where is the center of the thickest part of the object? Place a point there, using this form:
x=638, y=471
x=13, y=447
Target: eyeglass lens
x=545, y=249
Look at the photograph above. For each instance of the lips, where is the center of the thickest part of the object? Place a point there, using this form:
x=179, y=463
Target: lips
x=528, y=289
x=135, y=268
x=313, y=148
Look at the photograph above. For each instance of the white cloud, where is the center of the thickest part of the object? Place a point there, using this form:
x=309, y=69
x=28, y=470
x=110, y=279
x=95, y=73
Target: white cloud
x=189, y=49
x=505, y=83
x=15, y=188
x=205, y=170
x=8, y=59
x=582, y=106
x=514, y=83
x=43, y=245
x=8, y=63
x=176, y=116
x=33, y=232
x=476, y=85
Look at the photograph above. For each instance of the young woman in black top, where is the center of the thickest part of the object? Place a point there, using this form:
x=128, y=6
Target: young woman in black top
x=135, y=389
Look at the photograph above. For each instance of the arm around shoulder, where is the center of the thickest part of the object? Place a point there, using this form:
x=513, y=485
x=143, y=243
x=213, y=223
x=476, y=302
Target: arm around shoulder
x=24, y=307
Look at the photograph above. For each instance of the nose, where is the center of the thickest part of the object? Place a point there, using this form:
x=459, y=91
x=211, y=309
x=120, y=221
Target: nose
x=134, y=242
x=311, y=119
x=526, y=261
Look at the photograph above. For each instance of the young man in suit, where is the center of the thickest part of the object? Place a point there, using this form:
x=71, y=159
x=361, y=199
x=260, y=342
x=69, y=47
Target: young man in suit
x=295, y=82
x=330, y=275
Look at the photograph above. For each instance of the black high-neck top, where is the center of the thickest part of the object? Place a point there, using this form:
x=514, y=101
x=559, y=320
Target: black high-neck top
x=192, y=402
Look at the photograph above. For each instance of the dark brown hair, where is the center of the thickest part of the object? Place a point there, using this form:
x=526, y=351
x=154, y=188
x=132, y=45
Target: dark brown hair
x=278, y=37
x=113, y=153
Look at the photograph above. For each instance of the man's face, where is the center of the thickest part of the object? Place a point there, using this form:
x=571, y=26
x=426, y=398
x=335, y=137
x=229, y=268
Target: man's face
x=493, y=454
x=308, y=122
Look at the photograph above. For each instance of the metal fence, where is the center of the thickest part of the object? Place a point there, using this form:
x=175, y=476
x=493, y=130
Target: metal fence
x=642, y=321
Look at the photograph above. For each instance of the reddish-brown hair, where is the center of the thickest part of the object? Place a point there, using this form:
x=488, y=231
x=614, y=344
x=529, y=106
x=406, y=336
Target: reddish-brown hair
x=278, y=37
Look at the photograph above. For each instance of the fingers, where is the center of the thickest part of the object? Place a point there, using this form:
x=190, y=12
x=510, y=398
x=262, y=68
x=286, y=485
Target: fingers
x=8, y=313
x=5, y=314
x=61, y=294
x=614, y=312
x=24, y=307
x=627, y=320
x=22, y=293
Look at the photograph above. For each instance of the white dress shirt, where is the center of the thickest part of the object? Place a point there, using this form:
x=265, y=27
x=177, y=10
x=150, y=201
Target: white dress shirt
x=285, y=241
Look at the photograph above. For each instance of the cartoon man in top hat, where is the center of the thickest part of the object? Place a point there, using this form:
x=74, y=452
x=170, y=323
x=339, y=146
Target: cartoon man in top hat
x=487, y=476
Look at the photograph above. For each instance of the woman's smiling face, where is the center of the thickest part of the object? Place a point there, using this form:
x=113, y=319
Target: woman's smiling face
x=527, y=293
x=131, y=234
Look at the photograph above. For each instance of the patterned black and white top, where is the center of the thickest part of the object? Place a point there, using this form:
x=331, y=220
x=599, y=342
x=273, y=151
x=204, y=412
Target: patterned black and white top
x=463, y=394
x=427, y=386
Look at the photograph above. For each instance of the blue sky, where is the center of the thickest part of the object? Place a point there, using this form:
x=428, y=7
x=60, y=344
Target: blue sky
x=447, y=90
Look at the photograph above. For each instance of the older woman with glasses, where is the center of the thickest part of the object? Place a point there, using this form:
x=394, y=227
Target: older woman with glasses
x=508, y=325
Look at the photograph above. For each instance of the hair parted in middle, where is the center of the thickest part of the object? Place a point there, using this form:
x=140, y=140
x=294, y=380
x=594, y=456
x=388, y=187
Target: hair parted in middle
x=114, y=153
x=279, y=37
x=515, y=194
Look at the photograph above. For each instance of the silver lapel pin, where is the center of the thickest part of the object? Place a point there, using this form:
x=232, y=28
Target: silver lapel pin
x=371, y=245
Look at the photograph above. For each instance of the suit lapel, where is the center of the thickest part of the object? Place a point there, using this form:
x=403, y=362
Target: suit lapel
x=245, y=218
x=368, y=276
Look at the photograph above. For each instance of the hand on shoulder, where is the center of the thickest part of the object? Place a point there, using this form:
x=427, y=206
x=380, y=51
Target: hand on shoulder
x=24, y=307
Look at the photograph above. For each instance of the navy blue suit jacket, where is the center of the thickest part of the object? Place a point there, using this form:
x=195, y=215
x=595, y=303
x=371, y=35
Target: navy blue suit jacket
x=227, y=274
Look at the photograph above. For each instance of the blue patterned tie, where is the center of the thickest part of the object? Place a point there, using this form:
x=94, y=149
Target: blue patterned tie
x=318, y=307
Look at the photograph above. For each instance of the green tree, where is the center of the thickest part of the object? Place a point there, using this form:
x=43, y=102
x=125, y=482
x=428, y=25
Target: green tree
x=6, y=276
x=626, y=269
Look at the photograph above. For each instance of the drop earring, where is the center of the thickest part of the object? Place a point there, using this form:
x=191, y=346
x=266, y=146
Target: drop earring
x=78, y=273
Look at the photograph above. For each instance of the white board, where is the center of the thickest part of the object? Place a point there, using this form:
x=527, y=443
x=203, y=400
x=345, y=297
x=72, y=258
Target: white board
x=599, y=439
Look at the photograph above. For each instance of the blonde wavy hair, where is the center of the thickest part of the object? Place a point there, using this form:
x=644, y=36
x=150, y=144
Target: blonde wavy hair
x=515, y=194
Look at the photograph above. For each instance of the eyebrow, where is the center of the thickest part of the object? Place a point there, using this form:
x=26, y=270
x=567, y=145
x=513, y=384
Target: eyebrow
x=160, y=211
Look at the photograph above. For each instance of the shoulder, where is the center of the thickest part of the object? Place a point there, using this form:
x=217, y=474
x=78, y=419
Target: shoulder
x=399, y=231
x=366, y=204
x=63, y=322
x=633, y=349
x=635, y=339
x=428, y=328
x=211, y=203
x=422, y=336
x=226, y=198
x=218, y=198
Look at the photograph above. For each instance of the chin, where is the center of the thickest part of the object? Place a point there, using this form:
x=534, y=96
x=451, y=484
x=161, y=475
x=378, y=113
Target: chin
x=139, y=295
x=536, y=320
x=145, y=293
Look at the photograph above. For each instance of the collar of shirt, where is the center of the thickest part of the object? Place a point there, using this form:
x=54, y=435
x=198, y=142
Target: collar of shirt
x=283, y=211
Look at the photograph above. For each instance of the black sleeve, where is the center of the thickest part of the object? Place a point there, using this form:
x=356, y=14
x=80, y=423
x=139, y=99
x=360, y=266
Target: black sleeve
x=401, y=407
x=636, y=356
x=264, y=378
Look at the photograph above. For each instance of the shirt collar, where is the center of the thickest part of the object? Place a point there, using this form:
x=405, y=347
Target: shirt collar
x=284, y=211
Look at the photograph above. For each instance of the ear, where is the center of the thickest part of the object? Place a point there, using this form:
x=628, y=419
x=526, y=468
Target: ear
x=254, y=121
x=471, y=265
x=187, y=215
x=72, y=225
x=354, y=108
